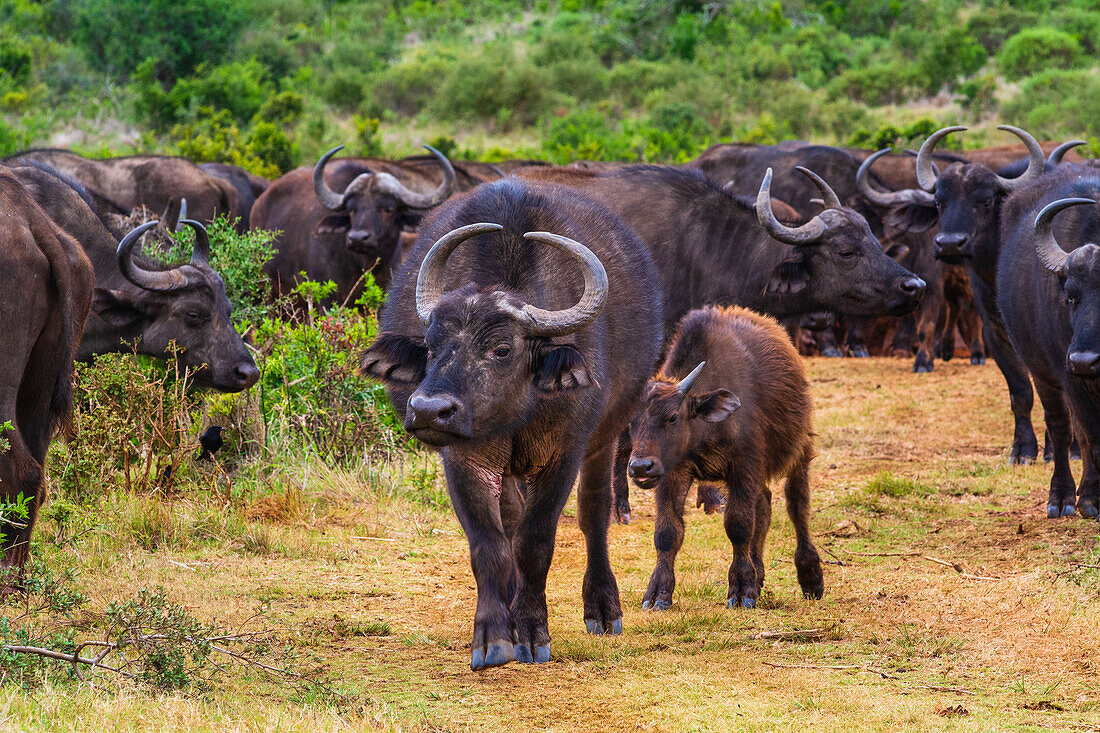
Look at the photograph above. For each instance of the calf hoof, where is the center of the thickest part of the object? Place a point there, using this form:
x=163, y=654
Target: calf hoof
x=622, y=512
x=595, y=627
x=522, y=654
x=658, y=605
x=498, y=653
x=1088, y=509
x=920, y=367
x=832, y=352
x=860, y=352
x=977, y=360
x=813, y=595
x=734, y=602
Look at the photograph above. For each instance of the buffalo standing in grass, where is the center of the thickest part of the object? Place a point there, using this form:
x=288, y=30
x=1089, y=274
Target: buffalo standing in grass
x=339, y=225
x=248, y=186
x=1048, y=293
x=742, y=417
x=47, y=283
x=179, y=312
x=517, y=338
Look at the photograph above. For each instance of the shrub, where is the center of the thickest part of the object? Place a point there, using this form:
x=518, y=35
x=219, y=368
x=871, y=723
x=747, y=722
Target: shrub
x=214, y=137
x=1056, y=104
x=1038, y=49
x=877, y=84
x=237, y=88
x=948, y=57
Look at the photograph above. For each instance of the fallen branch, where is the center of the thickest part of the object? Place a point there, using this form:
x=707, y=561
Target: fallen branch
x=807, y=634
x=872, y=670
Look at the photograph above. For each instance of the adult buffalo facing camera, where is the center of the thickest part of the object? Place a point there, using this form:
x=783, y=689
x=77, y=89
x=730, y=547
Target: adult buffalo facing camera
x=337, y=224
x=517, y=338
x=1048, y=293
x=730, y=403
x=179, y=313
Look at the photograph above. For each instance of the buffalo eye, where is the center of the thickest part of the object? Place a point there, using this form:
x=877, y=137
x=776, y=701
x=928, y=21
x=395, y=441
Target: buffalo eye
x=988, y=204
x=849, y=254
x=1071, y=299
x=502, y=351
x=673, y=418
x=195, y=320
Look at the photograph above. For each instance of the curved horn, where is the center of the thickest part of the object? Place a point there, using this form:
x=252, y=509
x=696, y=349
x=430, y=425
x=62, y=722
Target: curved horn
x=182, y=216
x=1059, y=152
x=429, y=281
x=497, y=170
x=1036, y=162
x=935, y=168
x=587, y=309
x=685, y=384
x=388, y=184
x=886, y=198
x=200, y=253
x=158, y=281
x=926, y=169
x=828, y=195
x=1050, y=252
x=808, y=233
x=328, y=198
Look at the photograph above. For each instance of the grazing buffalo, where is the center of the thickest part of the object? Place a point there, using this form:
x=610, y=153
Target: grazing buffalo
x=179, y=312
x=517, y=338
x=1048, y=293
x=47, y=292
x=339, y=236
x=742, y=417
x=248, y=186
x=965, y=200
x=157, y=182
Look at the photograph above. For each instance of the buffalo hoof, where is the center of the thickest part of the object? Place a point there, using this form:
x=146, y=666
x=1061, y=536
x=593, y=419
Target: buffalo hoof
x=657, y=605
x=813, y=595
x=498, y=653
x=734, y=602
x=832, y=352
x=622, y=517
x=1054, y=511
x=923, y=369
x=522, y=654
x=595, y=627
x=977, y=361
x=1069, y=510
x=860, y=352
x=1075, y=450
x=1088, y=509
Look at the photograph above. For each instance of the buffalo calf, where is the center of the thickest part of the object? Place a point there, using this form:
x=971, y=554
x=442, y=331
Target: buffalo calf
x=730, y=403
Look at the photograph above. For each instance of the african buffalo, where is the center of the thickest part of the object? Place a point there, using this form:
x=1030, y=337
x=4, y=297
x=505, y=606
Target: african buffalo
x=248, y=186
x=180, y=312
x=517, y=338
x=1048, y=293
x=339, y=236
x=742, y=417
x=157, y=182
x=47, y=293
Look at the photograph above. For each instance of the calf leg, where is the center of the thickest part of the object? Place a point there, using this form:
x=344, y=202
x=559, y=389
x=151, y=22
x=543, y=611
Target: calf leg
x=827, y=344
x=926, y=334
x=760, y=534
x=806, y=560
x=1062, y=490
x=972, y=321
x=1025, y=447
x=857, y=344
x=745, y=485
x=668, y=537
x=619, y=480
x=947, y=336
x=20, y=473
x=602, y=612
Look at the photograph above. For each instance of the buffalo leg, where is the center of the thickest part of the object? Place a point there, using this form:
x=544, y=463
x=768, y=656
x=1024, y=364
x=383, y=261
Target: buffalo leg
x=602, y=612
x=1061, y=501
x=760, y=533
x=533, y=545
x=827, y=344
x=857, y=345
x=950, y=326
x=926, y=334
x=806, y=560
x=973, y=323
x=668, y=537
x=1025, y=447
x=619, y=480
x=1088, y=491
x=745, y=485
x=491, y=559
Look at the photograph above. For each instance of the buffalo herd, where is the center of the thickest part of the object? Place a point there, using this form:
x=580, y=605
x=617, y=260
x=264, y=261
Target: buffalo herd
x=591, y=324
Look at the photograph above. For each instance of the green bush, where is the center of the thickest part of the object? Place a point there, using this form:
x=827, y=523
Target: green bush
x=238, y=88
x=264, y=150
x=992, y=26
x=948, y=57
x=1057, y=104
x=878, y=84
x=1038, y=49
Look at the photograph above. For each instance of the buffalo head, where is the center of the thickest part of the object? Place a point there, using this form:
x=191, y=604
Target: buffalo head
x=1079, y=272
x=375, y=207
x=674, y=423
x=838, y=255
x=487, y=355
x=182, y=311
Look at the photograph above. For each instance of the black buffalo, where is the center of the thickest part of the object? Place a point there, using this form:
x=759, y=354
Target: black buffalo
x=507, y=344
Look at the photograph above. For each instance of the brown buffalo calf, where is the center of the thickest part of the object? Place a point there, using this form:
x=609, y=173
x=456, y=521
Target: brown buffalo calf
x=730, y=403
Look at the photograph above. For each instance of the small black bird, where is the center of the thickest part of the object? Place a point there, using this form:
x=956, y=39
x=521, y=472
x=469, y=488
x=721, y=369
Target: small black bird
x=211, y=442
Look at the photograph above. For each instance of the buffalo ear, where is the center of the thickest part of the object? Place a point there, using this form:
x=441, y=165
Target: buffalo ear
x=789, y=277
x=409, y=219
x=395, y=358
x=912, y=217
x=333, y=224
x=117, y=308
x=559, y=368
x=715, y=406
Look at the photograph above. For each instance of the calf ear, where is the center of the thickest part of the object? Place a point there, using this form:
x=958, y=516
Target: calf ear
x=789, y=277
x=395, y=358
x=559, y=368
x=715, y=406
x=333, y=224
x=117, y=308
x=913, y=217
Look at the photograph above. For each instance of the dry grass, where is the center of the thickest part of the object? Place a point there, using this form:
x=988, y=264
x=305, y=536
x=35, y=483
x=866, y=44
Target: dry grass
x=910, y=467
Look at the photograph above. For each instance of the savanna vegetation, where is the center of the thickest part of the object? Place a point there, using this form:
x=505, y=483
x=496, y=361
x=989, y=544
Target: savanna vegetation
x=313, y=576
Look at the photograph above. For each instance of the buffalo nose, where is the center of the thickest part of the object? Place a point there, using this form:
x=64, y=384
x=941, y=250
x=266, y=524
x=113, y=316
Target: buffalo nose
x=951, y=243
x=1084, y=363
x=913, y=287
x=247, y=375
x=641, y=467
x=435, y=412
